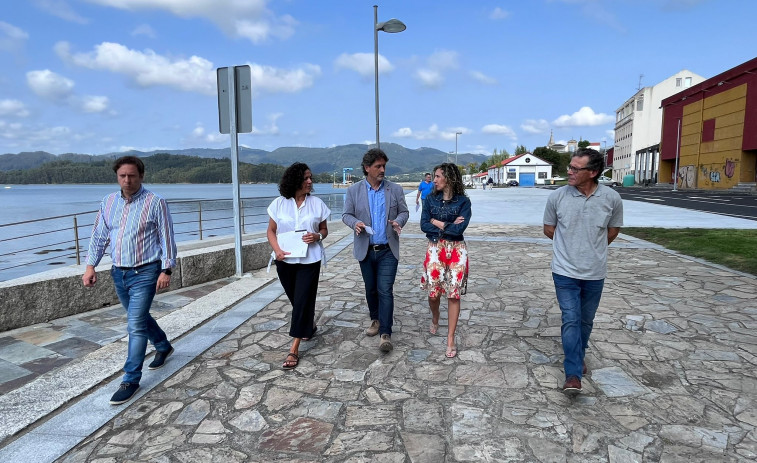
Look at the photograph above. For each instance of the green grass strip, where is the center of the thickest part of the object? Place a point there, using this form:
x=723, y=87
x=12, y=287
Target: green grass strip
x=736, y=249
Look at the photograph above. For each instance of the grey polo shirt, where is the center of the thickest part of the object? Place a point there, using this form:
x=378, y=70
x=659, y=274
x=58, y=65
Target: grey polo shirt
x=580, y=241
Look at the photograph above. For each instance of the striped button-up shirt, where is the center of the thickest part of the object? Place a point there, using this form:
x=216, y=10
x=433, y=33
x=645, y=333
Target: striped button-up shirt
x=377, y=203
x=139, y=230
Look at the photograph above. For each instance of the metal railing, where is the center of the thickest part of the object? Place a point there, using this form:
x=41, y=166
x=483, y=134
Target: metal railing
x=63, y=239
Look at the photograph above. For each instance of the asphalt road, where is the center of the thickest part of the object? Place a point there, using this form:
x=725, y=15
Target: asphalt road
x=742, y=206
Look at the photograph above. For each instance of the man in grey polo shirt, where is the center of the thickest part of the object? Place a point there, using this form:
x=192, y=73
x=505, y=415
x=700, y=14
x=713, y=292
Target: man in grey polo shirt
x=581, y=218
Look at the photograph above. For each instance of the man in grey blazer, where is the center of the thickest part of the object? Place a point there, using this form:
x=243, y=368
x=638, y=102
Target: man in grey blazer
x=376, y=209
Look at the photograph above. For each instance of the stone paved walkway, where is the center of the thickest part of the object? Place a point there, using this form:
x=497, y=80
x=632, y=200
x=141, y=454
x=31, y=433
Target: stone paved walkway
x=672, y=372
x=29, y=352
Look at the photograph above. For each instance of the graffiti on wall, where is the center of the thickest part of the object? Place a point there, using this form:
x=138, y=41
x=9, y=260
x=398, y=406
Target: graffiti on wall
x=687, y=176
x=730, y=168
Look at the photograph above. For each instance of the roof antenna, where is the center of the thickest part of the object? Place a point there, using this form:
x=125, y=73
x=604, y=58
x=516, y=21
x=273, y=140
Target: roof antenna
x=641, y=76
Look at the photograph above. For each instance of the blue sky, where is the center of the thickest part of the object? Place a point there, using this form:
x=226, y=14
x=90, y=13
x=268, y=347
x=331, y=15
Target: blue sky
x=100, y=76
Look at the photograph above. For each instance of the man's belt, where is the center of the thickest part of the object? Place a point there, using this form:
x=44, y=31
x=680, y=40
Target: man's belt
x=138, y=267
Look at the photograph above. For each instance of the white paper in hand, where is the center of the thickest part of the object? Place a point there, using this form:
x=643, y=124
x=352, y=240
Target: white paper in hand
x=417, y=206
x=292, y=243
x=368, y=230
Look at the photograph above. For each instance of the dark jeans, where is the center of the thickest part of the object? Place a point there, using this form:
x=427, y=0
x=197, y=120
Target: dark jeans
x=379, y=268
x=300, y=282
x=135, y=289
x=579, y=300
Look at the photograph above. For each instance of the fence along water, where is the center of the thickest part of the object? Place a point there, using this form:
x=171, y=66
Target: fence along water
x=32, y=246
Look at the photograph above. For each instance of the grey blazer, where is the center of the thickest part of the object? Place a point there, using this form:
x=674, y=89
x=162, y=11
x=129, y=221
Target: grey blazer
x=357, y=209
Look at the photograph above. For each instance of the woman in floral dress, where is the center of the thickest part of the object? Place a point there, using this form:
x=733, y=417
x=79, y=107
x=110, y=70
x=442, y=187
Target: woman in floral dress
x=446, y=215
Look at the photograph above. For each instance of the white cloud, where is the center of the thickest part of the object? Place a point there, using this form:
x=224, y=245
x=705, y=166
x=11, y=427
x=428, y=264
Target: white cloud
x=483, y=78
x=595, y=11
x=54, y=87
x=431, y=75
x=535, y=126
x=443, y=60
x=499, y=129
x=93, y=104
x=144, y=29
x=404, y=132
x=582, y=118
x=610, y=135
x=61, y=9
x=271, y=128
x=363, y=63
x=432, y=133
x=194, y=74
x=11, y=37
x=249, y=19
x=268, y=79
x=50, y=85
x=23, y=137
x=499, y=13
x=14, y=108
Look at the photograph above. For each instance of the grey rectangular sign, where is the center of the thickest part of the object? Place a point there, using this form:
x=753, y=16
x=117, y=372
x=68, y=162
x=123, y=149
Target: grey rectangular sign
x=243, y=98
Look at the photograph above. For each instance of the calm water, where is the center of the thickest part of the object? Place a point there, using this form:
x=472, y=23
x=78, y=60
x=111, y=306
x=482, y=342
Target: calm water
x=50, y=243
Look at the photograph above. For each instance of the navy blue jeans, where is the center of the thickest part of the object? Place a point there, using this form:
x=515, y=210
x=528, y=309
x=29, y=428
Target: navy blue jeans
x=579, y=300
x=379, y=268
x=135, y=289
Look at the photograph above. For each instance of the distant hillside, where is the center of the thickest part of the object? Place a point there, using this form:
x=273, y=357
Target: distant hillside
x=321, y=160
x=160, y=168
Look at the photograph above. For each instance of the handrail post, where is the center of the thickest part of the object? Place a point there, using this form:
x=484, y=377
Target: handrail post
x=241, y=213
x=76, y=241
x=199, y=218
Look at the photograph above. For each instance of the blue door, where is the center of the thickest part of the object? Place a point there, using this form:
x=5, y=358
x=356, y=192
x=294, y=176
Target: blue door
x=528, y=179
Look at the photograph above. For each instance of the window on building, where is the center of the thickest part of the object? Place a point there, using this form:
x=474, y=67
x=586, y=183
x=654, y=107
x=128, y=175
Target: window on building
x=542, y=175
x=708, y=130
x=640, y=104
x=687, y=82
x=510, y=175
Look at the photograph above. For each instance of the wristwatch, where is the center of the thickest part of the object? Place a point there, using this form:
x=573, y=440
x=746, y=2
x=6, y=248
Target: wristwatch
x=320, y=237
x=167, y=271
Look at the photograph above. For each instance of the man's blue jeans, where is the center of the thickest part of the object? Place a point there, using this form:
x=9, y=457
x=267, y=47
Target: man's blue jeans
x=135, y=289
x=379, y=268
x=579, y=300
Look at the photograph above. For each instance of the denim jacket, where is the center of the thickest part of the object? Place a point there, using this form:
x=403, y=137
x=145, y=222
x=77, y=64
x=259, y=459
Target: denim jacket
x=434, y=207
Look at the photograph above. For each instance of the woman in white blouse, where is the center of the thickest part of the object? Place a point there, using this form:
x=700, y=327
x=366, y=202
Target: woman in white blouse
x=297, y=212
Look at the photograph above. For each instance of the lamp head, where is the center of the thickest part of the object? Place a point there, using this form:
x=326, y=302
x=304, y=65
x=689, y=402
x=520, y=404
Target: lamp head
x=391, y=26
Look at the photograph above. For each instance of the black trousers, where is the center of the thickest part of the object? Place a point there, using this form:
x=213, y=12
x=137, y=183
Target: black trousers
x=300, y=282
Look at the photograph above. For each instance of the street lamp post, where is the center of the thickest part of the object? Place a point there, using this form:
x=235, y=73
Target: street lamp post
x=391, y=26
x=456, y=134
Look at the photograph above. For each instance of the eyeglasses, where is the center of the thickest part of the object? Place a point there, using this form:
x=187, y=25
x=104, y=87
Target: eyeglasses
x=577, y=169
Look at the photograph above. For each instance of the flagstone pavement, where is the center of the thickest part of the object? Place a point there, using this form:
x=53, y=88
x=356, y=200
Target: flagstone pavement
x=672, y=371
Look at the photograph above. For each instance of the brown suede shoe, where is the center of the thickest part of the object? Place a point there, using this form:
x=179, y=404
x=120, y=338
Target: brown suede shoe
x=386, y=343
x=572, y=386
x=373, y=329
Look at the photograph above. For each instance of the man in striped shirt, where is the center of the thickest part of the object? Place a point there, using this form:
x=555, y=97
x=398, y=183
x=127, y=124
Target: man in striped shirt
x=137, y=224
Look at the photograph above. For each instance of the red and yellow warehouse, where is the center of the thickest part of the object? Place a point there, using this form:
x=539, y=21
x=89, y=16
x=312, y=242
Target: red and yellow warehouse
x=711, y=128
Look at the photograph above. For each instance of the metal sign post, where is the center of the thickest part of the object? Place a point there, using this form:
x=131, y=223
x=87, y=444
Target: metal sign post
x=235, y=116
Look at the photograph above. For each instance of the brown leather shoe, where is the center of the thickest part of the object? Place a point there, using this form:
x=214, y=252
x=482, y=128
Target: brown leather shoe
x=373, y=329
x=386, y=343
x=572, y=386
